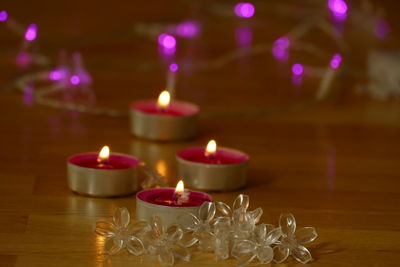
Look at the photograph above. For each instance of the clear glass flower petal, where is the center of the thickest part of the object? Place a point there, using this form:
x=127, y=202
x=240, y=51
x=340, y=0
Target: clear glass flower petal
x=256, y=214
x=241, y=202
x=188, y=221
x=157, y=225
x=121, y=217
x=246, y=259
x=174, y=233
x=301, y=254
x=224, y=209
x=105, y=229
x=188, y=239
x=273, y=236
x=166, y=257
x=222, y=225
x=135, y=246
x=221, y=249
x=181, y=253
x=281, y=253
x=287, y=223
x=306, y=235
x=207, y=212
x=243, y=247
x=113, y=245
x=265, y=254
x=260, y=232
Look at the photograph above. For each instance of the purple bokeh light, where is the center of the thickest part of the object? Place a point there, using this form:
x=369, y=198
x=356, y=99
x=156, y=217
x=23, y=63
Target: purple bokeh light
x=24, y=59
x=297, y=69
x=335, y=61
x=75, y=80
x=280, y=50
x=187, y=29
x=173, y=67
x=338, y=8
x=31, y=33
x=244, y=10
x=28, y=96
x=382, y=28
x=3, y=16
x=244, y=36
x=167, y=41
x=57, y=74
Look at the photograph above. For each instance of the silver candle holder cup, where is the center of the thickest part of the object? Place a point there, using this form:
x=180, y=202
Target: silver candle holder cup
x=96, y=182
x=164, y=127
x=213, y=177
x=168, y=214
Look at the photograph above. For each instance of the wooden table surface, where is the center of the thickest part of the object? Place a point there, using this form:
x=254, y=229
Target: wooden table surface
x=334, y=164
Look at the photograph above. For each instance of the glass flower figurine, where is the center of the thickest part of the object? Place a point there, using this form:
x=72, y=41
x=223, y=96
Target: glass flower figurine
x=243, y=221
x=120, y=233
x=292, y=241
x=200, y=227
x=258, y=246
x=165, y=242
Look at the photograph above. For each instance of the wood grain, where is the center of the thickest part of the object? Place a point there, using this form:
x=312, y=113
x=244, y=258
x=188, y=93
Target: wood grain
x=334, y=164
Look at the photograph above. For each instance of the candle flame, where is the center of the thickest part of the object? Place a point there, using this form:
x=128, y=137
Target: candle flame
x=164, y=99
x=104, y=155
x=211, y=148
x=180, y=187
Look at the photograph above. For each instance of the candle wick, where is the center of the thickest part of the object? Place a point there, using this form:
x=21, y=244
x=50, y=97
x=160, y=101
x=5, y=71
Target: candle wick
x=102, y=162
x=180, y=198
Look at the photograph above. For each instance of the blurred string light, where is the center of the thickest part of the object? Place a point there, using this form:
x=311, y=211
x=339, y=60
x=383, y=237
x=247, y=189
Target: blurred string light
x=3, y=16
x=75, y=75
x=335, y=61
x=244, y=10
x=31, y=32
x=280, y=49
x=338, y=9
x=382, y=28
x=297, y=69
x=167, y=41
x=173, y=67
x=187, y=29
x=244, y=36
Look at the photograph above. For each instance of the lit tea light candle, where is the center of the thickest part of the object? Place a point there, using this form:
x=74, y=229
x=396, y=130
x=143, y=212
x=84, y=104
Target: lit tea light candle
x=169, y=203
x=213, y=168
x=103, y=174
x=164, y=119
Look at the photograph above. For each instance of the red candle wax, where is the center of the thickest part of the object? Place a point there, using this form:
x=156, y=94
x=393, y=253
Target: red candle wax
x=164, y=197
x=115, y=161
x=221, y=156
x=174, y=108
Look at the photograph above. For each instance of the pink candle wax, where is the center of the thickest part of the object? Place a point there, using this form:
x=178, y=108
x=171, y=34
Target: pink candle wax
x=164, y=197
x=175, y=108
x=221, y=156
x=115, y=161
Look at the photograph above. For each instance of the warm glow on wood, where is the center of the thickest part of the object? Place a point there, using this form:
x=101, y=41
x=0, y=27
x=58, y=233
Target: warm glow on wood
x=164, y=99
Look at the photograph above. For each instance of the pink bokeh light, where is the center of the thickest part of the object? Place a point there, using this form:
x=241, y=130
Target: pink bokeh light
x=280, y=49
x=244, y=36
x=187, y=29
x=297, y=69
x=167, y=41
x=336, y=61
x=75, y=80
x=338, y=9
x=173, y=67
x=244, y=10
x=31, y=33
x=3, y=16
